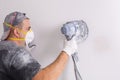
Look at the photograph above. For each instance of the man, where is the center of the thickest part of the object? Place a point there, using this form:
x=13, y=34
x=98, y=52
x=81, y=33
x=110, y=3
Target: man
x=16, y=62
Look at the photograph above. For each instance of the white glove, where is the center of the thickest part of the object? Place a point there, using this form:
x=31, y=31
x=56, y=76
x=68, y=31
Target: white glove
x=70, y=47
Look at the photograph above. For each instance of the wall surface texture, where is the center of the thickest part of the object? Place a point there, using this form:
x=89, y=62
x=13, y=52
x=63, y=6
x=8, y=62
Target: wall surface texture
x=99, y=54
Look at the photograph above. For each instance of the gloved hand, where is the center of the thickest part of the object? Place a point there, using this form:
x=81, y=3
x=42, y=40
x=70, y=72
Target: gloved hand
x=69, y=31
x=70, y=46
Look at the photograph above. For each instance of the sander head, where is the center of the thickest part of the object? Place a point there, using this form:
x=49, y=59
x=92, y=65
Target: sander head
x=77, y=29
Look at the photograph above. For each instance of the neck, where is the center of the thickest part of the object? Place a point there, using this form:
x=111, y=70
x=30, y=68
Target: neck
x=19, y=42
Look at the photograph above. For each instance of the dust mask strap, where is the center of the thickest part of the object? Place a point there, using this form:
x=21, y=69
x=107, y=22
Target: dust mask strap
x=10, y=26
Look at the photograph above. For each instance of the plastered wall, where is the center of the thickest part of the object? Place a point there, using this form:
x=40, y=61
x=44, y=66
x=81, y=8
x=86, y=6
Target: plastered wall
x=99, y=54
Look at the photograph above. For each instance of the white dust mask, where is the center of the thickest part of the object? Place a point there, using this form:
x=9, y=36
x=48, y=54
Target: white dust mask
x=29, y=37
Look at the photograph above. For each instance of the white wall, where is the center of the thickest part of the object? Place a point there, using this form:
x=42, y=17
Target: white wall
x=99, y=54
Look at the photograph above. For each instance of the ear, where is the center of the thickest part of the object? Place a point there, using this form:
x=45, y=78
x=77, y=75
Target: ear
x=16, y=33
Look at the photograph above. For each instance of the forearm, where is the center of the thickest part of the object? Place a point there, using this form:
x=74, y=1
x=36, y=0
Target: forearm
x=53, y=71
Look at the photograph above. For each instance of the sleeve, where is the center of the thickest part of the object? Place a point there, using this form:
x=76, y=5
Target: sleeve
x=23, y=65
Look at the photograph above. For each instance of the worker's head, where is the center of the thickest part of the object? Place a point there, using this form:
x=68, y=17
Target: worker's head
x=17, y=28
